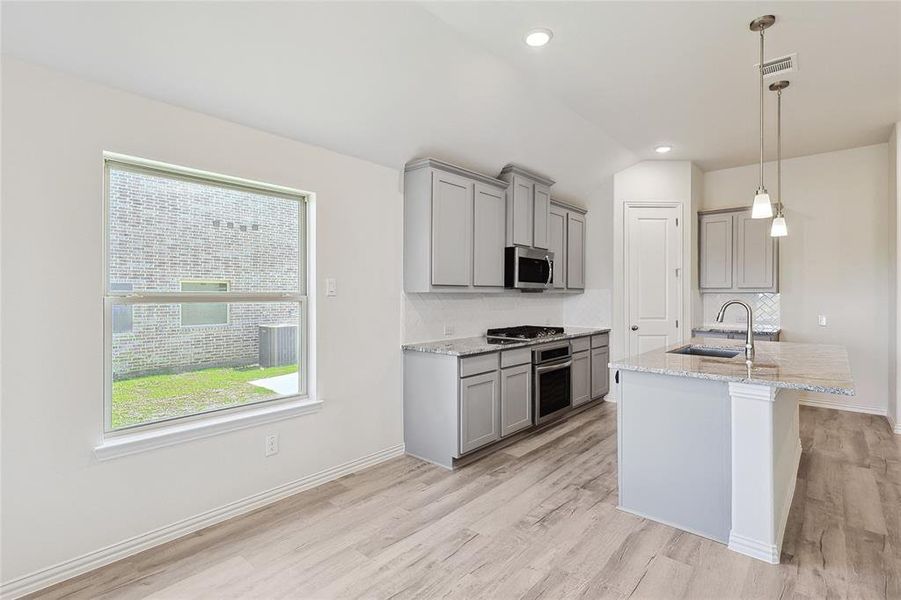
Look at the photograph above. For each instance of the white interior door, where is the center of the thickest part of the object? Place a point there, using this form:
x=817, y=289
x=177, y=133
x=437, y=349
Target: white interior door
x=653, y=270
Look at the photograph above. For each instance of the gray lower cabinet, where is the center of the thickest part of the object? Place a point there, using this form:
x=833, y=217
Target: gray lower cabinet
x=479, y=410
x=600, y=373
x=516, y=399
x=581, y=378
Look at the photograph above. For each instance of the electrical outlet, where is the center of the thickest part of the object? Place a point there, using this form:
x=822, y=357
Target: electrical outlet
x=448, y=329
x=821, y=320
x=271, y=444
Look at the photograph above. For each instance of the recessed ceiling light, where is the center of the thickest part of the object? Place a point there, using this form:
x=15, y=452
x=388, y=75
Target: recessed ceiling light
x=539, y=37
x=662, y=149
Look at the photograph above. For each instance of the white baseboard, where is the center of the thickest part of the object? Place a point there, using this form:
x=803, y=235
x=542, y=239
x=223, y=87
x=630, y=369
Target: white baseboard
x=894, y=424
x=841, y=404
x=753, y=548
x=88, y=562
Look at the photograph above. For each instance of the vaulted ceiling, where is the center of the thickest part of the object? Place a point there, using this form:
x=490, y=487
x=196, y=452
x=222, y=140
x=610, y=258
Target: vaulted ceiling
x=390, y=81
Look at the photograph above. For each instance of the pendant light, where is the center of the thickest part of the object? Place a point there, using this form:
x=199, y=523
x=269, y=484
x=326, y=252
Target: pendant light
x=761, y=209
x=779, y=227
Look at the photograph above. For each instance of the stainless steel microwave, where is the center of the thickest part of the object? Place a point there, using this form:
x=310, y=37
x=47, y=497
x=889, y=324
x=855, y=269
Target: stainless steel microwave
x=528, y=268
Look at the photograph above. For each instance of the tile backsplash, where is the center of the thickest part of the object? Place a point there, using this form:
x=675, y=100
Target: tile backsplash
x=424, y=316
x=766, y=308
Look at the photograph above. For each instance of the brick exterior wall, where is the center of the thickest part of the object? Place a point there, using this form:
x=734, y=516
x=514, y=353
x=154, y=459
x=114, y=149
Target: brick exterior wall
x=165, y=231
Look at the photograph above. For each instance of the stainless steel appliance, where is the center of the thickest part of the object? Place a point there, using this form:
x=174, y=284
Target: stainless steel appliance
x=521, y=333
x=528, y=269
x=552, y=372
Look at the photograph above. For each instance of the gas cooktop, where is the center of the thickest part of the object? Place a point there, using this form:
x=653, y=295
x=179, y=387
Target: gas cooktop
x=506, y=335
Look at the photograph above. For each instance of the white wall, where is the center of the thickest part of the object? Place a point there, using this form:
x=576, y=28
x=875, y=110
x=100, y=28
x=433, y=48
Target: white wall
x=894, y=220
x=835, y=260
x=58, y=501
x=655, y=181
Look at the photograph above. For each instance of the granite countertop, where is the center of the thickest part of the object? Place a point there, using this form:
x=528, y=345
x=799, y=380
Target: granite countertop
x=810, y=367
x=479, y=345
x=737, y=328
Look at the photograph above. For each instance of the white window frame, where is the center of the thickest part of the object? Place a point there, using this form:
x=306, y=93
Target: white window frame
x=136, y=438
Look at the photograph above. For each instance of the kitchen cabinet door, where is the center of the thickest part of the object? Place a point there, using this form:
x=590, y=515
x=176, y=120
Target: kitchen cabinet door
x=715, y=255
x=755, y=254
x=522, y=208
x=600, y=374
x=479, y=411
x=541, y=208
x=581, y=378
x=516, y=399
x=451, y=229
x=489, y=230
x=575, y=251
x=557, y=243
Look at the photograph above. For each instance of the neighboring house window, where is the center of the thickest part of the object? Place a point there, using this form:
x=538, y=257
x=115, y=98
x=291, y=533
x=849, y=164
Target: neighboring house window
x=204, y=313
x=122, y=313
x=215, y=304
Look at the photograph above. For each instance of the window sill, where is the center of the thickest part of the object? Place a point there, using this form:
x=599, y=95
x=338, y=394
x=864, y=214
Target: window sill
x=132, y=443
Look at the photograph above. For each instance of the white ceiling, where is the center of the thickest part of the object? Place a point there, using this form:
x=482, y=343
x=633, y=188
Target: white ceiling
x=392, y=81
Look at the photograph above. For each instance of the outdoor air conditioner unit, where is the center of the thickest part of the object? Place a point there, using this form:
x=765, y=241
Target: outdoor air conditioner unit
x=278, y=345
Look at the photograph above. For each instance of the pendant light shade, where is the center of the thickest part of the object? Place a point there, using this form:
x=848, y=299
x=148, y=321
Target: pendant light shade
x=761, y=209
x=779, y=228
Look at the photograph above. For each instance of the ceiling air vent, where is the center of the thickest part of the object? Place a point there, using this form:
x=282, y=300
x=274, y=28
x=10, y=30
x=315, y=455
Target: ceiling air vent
x=779, y=66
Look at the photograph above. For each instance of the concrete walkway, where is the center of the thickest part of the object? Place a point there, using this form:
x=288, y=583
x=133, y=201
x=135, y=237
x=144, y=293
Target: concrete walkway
x=283, y=385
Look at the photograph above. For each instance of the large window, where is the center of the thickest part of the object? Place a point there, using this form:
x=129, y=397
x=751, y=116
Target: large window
x=214, y=312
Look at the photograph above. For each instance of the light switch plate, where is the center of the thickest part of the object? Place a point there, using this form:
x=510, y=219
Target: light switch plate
x=331, y=288
x=821, y=320
x=448, y=329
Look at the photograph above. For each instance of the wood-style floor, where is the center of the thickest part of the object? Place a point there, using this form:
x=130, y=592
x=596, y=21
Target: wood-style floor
x=536, y=520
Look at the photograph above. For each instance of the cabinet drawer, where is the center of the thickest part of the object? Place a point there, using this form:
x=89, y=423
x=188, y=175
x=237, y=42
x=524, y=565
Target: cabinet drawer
x=482, y=363
x=580, y=344
x=600, y=340
x=520, y=356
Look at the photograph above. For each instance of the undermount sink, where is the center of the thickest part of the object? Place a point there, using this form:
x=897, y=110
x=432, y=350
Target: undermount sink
x=704, y=351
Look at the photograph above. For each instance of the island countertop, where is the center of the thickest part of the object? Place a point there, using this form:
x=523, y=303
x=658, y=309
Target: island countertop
x=810, y=367
x=480, y=345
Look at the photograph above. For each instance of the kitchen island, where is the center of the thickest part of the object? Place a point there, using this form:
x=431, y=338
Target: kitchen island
x=710, y=444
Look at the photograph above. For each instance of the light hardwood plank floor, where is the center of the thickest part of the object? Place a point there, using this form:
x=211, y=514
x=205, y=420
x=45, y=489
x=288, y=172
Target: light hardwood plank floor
x=536, y=520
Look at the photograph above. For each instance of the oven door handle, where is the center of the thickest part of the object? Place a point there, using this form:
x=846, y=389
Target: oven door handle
x=540, y=370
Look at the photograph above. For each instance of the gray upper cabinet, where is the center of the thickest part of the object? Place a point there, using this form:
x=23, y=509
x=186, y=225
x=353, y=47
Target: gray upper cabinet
x=451, y=229
x=516, y=399
x=479, y=411
x=488, y=236
x=715, y=237
x=736, y=253
x=755, y=254
x=540, y=220
x=557, y=243
x=528, y=206
x=575, y=251
x=566, y=239
x=454, y=228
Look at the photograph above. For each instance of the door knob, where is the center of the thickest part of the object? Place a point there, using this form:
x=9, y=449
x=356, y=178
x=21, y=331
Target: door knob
x=635, y=328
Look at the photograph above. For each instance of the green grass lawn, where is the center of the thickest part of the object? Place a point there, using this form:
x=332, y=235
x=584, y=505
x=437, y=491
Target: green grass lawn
x=155, y=397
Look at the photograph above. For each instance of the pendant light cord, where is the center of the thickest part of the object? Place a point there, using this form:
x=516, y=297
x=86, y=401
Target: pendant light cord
x=761, y=109
x=779, y=153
